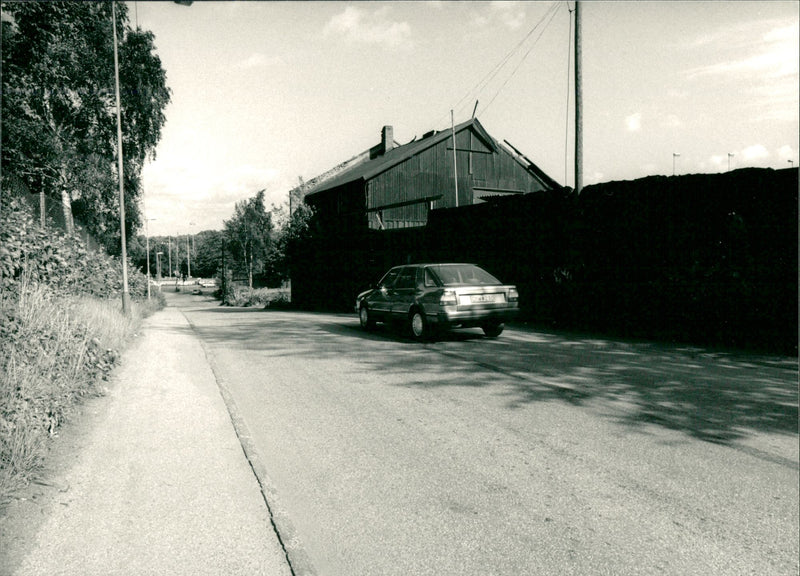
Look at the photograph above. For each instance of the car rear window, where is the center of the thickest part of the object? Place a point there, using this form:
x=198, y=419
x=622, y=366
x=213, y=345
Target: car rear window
x=463, y=274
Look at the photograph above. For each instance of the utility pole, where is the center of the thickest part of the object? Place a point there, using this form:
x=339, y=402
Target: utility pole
x=578, y=103
x=455, y=168
x=126, y=295
x=147, y=243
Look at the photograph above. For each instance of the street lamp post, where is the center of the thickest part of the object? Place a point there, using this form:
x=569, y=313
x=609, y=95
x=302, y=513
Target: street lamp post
x=674, y=155
x=126, y=295
x=147, y=247
x=730, y=155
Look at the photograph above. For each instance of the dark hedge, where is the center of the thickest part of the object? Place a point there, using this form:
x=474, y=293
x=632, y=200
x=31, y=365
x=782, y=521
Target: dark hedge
x=707, y=258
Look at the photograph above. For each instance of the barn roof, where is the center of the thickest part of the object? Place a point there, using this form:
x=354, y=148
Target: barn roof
x=370, y=166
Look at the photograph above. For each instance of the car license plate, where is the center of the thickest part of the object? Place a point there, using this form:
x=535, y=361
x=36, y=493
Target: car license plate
x=486, y=298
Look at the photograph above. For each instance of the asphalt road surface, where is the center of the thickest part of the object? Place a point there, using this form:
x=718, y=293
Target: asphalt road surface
x=533, y=453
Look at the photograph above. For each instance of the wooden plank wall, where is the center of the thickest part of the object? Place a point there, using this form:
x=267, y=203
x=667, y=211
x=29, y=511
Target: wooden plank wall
x=430, y=173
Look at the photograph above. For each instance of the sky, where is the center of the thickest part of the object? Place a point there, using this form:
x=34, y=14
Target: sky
x=265, y=93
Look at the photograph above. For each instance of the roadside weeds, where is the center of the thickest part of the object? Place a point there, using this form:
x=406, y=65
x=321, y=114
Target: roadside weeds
x=55, y=350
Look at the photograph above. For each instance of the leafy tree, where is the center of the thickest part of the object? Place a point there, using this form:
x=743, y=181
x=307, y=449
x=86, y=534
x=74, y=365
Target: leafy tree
x=207, y=259
x=249, y=235
x=293, y=229
x=59, y=109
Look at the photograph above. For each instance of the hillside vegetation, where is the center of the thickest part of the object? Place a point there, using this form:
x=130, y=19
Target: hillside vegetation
x=61, y=332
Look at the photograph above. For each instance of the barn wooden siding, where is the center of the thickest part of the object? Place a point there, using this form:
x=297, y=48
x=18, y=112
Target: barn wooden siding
x=429, y=174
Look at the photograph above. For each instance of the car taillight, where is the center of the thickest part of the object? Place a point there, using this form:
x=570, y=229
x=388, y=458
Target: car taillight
x=513, y=295
x=448, y=298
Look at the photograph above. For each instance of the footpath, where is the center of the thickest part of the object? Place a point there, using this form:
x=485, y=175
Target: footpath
x=159, y=483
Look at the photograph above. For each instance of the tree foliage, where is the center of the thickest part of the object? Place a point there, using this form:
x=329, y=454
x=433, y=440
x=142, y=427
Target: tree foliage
x=59, y=108
x=249, y=236
x=294, y=228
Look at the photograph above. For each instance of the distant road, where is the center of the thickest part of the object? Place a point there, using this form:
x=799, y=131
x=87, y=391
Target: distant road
x=535, y=453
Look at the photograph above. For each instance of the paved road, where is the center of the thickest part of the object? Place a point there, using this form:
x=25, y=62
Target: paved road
x=536, y=453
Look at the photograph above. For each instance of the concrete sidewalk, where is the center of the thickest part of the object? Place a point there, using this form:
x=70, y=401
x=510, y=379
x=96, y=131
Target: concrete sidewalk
x=161, y=485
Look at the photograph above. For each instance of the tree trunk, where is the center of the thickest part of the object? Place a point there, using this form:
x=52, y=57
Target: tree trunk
x=250, y=269
x=66, y=202
x=66, y=206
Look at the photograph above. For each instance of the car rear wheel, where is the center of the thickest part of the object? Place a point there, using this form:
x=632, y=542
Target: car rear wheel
x=365, y=318
x=493, y=329
x=418, y=325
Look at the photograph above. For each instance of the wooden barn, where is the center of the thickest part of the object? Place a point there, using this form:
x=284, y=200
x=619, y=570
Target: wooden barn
x=391, y=187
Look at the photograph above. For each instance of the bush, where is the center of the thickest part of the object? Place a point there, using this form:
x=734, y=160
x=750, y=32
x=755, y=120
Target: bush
x=62, y=262
x=255, y=297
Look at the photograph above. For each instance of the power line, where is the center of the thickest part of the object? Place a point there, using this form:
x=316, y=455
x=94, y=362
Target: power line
x=492, y=73
x=489, y=76
x=566, y=130
x=552, y=15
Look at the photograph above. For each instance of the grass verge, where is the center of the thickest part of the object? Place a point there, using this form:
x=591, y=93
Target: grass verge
x=54, y=350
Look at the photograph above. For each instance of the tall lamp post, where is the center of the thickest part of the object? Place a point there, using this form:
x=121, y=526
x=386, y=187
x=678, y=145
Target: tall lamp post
x=674, y=155
x=147, y=247
x=126, y=295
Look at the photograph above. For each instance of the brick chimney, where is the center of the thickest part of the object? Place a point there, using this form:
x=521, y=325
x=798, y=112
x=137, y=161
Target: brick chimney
x=387, y=139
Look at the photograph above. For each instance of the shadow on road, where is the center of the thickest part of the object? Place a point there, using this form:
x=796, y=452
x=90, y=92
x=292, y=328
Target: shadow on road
x=710, y=395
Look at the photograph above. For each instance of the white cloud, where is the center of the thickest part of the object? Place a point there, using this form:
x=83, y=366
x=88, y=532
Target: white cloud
x=776, y=56
x=596, y=177
x=786, y=152
x=633, y=123
x=179, y=193
x=718, y=163
x=755, y=152
x=511, y=14
x=360, y=26
x=257, y=60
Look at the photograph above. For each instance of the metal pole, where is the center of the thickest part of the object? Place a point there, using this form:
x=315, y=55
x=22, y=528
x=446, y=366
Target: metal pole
x=578, y=103
x=188, y=260
x=147, y=247
x=169, y=254
x=455, y=168
x=126, y=295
